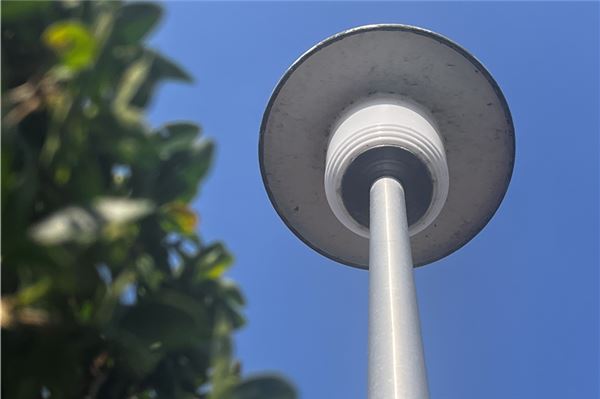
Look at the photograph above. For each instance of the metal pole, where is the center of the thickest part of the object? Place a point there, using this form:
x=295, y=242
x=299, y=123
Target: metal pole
x=396, y=361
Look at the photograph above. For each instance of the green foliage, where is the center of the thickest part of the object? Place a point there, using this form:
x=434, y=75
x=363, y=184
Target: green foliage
x=107, y=289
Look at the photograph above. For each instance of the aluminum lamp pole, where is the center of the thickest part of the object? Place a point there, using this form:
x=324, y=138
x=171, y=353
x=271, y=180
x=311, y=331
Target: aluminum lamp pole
x=396, y=362
x=386, y=177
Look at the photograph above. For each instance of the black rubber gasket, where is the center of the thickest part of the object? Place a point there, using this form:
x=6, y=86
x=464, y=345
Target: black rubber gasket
x=387, y=161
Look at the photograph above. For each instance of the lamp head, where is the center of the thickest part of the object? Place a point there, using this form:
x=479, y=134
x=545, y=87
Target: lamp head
x=386, y=100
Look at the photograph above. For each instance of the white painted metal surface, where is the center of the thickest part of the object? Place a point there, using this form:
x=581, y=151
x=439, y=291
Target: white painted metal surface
x=378, y=121
x=396, y=360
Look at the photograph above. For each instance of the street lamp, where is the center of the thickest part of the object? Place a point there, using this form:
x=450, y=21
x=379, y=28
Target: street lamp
x=380, y=146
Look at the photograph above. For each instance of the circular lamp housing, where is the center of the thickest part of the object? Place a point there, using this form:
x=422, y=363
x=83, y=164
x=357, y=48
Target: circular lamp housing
x=385, y=135
x=462, y=139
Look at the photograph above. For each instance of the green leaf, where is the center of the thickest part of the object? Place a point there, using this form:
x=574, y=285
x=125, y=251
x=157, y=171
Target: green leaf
x=181, y=174
x=232, y=294
x=213, y=262
x=164, y=68
x=77, y=224
x=69, y=224
x=122, y=210
x=178, y=217
x=135, y=354
x=132, y=80
x=177, y=137
x=181, y=130
x=260, y=387
x=134, y=21
x=168, y=320
x=13, y=10
x=198, y=164
x=231, y=303
x=111, y=296
x=34, y=292
x=72, y=42
x=150, y=275
x=224, y=378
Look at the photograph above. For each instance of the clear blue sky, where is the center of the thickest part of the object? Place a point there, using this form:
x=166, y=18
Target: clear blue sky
x=515, y=313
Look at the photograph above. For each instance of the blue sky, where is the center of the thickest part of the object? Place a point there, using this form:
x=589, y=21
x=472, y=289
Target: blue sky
x=513, y=314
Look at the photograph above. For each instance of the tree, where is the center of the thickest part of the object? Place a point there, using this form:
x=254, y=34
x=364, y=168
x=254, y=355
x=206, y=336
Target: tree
x=107, y=289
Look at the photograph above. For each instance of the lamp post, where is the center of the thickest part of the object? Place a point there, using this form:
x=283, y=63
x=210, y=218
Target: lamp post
x=384, y=147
